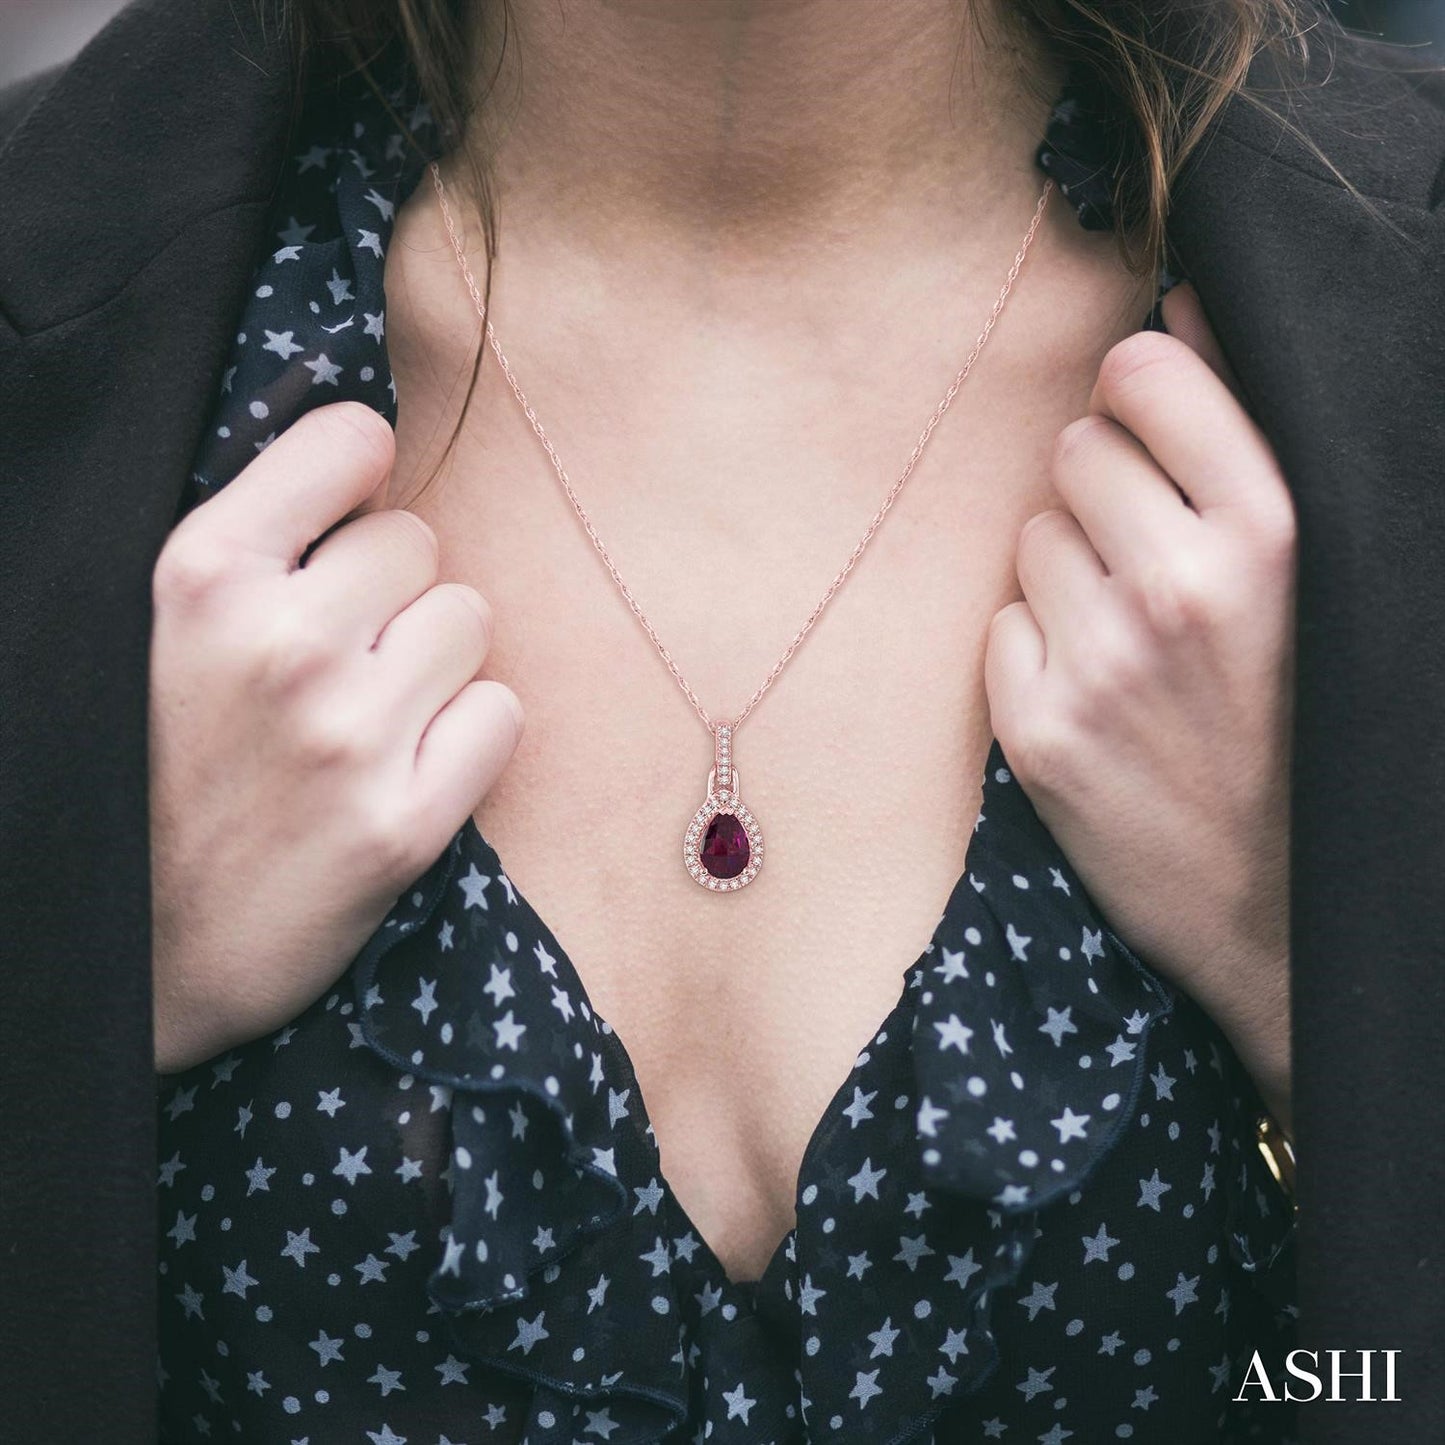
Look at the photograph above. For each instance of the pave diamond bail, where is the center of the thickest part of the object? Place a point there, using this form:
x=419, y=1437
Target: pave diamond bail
x=722, y=744
x=723, y=846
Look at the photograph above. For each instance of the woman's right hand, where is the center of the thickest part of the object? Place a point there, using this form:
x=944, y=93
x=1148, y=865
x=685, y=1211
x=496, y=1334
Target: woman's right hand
x=317, y=732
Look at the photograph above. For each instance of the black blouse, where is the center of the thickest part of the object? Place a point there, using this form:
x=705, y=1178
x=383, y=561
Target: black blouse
x=430, y=1210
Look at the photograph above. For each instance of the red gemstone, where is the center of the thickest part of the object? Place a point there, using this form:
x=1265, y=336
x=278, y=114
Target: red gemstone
x=725, y=849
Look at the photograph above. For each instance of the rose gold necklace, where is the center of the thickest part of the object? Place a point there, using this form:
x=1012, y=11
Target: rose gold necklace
x=723, y=846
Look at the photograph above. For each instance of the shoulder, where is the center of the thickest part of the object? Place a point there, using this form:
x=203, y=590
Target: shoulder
x=177, y=110
x=1365, y=115
x=20, y=97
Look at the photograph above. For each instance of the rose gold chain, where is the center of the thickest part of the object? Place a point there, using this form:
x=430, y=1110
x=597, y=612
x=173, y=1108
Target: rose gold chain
x=877, y=521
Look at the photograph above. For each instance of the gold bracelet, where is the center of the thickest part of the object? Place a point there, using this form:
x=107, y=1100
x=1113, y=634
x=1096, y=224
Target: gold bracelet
x=1277, y=1149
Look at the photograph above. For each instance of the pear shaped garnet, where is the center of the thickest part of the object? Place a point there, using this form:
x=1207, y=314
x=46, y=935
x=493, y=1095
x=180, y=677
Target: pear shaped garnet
x=723, y=846
x=725, y=850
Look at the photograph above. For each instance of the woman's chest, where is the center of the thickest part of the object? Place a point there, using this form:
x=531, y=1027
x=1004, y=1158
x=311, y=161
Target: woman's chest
x=742, y=1013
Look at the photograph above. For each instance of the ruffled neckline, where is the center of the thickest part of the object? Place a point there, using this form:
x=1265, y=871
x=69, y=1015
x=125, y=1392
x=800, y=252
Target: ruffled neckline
x=950, y=1126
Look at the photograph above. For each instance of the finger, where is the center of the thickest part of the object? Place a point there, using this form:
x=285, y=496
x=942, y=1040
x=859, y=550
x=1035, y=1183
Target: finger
x=432, y=649
x=1061, y=575
x=1184, y=317
x=332, y=460
x=469, y=742
x=1012, y=663
x=1129, y=509
x=367, y=570
x=1191, y=423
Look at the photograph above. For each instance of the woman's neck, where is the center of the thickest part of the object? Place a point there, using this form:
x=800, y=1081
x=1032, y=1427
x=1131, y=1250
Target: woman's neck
x=757, y=123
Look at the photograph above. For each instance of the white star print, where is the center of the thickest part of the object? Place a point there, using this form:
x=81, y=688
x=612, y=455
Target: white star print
x=1121, y=1051
x=221, y=1072
x=183, y=1231
x=1151, y=1191
x=953, y=1034
x=382, y=204
x=1036, y=1382
x=238, y=1281
x=452, y=1260
x=1099, y=1246
x=1059, y=1023
x=1041, y=1297
x=283, y=343
x=912, y=1250
x=499, y=985
x=385, y=1380
x=1071, y=1125
x=509, y=1031
x=961, y=1269
x=808, y=1296
x=372, y=1270
x=258, y=1177
x=865, y=1387
x=298, y=1246
x=866, y=1181
x=738, y=1403
x=929, y=1118
x=453, y=1371
x=474, y=887
x=1002, y=1130
x=324, y=372
x=327, y=1349
x=858, y=1111
x=659, y=1257
x=954, y=1344
x=530, y=1333
x=1185, y=1292
x=352, y=1166
x=425, y=1003
x=951, y=968
x=562, y=1002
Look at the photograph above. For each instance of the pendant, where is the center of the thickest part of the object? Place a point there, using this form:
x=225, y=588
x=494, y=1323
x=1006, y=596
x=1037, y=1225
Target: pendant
x=723, y=845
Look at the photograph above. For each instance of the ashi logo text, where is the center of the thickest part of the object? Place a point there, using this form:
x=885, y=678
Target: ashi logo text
x=1345, y=1375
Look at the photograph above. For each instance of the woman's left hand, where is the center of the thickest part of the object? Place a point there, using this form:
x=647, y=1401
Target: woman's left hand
x=1142, y=688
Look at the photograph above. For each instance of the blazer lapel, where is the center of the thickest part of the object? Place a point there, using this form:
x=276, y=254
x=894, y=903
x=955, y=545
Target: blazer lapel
x=133, y=201
x=1332, y=312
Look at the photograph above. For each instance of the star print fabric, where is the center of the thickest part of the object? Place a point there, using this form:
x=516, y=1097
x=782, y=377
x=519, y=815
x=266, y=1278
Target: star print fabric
x=431, y=1210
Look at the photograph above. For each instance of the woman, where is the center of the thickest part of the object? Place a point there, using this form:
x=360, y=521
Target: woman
x=409, y=1183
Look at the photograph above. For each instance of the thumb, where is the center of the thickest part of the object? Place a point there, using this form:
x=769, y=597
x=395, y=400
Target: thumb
x=1184, y=317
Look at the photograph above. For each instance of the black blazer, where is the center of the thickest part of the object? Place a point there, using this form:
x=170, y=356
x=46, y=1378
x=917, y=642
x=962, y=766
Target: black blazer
x=133, y=188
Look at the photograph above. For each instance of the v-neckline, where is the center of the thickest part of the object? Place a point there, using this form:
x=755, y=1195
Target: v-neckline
x=474, y=841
